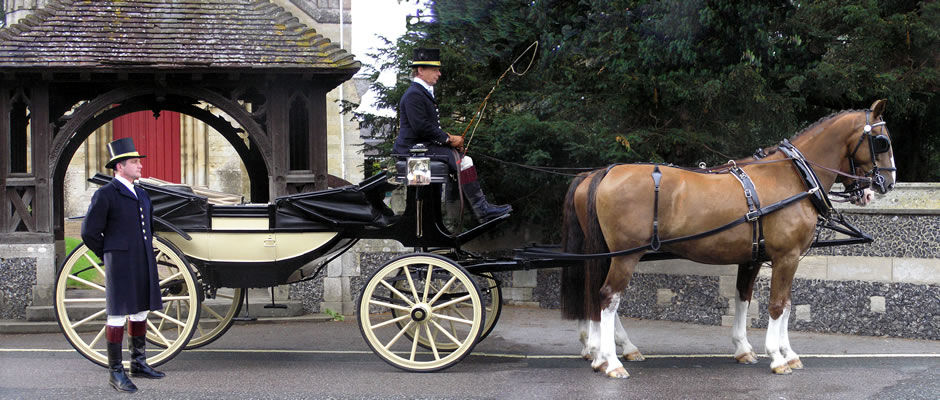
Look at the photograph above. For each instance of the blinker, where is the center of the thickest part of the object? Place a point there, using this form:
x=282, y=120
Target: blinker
x=880, y=143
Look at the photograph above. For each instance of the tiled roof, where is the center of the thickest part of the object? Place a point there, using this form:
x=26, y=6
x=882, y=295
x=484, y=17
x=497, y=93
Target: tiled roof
x=168, y=34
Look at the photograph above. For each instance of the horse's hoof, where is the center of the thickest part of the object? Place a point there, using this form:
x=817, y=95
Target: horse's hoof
x=782, y=370
x=746, y=358
x=795, y=364
x=634, y=356
x=619, y=373
x=587, y=357
x=599, y=368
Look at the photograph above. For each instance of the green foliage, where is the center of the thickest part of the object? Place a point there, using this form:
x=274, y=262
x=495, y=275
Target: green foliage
x=334, y=315
x=82, y=268
x=669, y=81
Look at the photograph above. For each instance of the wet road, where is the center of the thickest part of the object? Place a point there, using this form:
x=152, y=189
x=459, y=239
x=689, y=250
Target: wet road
x=530, y=354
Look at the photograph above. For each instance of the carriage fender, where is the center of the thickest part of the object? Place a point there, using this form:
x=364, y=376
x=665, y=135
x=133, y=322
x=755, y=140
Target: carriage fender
x=160, y=222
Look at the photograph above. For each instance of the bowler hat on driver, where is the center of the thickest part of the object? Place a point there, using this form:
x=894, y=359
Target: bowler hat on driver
x=426, y=58
x=122, y=149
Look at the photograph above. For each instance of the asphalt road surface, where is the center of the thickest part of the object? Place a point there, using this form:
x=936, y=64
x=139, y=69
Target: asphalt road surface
x=530, y=354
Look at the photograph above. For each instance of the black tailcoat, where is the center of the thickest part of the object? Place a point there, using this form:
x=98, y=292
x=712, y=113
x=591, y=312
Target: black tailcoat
x=420, y=123
x=117, y=227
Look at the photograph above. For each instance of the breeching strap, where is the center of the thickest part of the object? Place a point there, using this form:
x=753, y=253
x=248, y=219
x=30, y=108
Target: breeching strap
x=757, y=214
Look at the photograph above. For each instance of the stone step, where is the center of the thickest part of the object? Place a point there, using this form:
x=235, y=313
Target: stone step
x=256, y=308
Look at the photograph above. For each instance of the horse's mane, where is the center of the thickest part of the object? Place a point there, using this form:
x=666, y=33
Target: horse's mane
x=773, y=149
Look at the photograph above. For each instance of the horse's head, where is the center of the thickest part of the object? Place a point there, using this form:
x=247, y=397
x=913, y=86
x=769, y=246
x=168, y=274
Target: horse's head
x=871, y=155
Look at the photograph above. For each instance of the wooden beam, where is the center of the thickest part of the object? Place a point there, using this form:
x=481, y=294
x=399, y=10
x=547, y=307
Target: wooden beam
x=41, y=144
x=5, y=209
x=278, y=127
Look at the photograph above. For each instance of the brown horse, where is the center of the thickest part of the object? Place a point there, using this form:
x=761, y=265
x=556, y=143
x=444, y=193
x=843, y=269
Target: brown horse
x=613, y=210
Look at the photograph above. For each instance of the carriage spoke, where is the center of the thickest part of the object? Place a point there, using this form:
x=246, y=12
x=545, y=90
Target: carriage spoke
x=201, y=331
x=431, y=340
x=414, y=343
x=94, y=264
x=179, y=329
x=444, y=290
x=165, y=310
x=389, y=305
x=225, y=296
x=98, y=336
x=442, y=330
x=88, y=283
x=89, y=318
x=392, y=321
x=167, y=318
x=454, y=319
x=211, y=311
x=457, y=310
x=427, y=284
x=399, y=335
x=450, y=303
x=158, y=333
x=397, y=293
x=171, y=277
x=411, y=283
x=175, y=298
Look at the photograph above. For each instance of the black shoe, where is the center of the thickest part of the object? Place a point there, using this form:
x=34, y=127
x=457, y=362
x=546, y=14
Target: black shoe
x=118, y=379
x=139, y=366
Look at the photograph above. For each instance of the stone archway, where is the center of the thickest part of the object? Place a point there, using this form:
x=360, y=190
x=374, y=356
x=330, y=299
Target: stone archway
x=95, y=113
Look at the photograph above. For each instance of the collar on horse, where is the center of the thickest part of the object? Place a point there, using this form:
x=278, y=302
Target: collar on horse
x=819, y=198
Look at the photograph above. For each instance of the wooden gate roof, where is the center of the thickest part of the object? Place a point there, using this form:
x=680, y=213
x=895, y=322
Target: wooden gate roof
x=169, y=35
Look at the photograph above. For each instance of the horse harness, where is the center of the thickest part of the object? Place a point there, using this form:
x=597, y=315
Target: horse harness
x=879, y=143
x=754, y=211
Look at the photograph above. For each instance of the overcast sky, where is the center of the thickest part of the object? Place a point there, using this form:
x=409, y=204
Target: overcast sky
x=372, y=18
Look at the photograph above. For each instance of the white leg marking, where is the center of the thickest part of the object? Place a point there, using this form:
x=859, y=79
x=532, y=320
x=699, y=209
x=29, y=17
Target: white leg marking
x=743, y=352
x=785, y=350
x=608, y=349
x=588, y=343
x=629, y=351
x=772, y=343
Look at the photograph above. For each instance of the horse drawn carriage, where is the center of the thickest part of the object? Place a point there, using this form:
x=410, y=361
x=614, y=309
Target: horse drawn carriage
x=441, y=298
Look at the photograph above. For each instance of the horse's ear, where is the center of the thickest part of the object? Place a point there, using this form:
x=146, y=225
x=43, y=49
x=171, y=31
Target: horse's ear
x=878, y=108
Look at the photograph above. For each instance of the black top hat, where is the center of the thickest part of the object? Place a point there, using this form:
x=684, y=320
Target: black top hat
x=121, y=149
x=426, y=58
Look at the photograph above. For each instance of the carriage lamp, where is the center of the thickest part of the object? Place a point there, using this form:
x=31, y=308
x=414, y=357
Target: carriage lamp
x=419, y=171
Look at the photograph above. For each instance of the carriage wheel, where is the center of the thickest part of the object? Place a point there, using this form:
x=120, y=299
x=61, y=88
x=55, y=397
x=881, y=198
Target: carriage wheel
x=421, y=289
x=80, y=304
x=492, y=296
x=216, y=316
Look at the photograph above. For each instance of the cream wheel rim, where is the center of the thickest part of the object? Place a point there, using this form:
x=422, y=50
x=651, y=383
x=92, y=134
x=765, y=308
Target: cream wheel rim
x=81, y=313
x=431, y=286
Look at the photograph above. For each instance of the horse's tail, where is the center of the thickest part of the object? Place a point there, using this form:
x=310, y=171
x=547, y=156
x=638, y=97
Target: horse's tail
x=581, y=283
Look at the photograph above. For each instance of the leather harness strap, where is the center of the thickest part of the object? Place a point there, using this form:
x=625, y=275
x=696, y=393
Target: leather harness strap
x=753, y=213
x=819, y=199
x=657, y=176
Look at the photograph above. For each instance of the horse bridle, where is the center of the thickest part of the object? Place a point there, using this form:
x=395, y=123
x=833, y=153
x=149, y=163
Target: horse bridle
x=877, y=144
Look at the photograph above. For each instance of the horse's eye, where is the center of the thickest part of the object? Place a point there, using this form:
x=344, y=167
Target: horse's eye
x=881, y=143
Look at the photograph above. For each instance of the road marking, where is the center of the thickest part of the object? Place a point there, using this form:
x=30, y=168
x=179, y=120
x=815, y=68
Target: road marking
x=506, y=355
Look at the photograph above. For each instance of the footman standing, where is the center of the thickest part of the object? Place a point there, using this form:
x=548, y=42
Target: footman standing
x=118, y=228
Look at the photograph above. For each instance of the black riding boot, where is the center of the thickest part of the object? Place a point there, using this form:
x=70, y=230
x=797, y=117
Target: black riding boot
x=483, y=210
x=118, y=379
x=138, y=343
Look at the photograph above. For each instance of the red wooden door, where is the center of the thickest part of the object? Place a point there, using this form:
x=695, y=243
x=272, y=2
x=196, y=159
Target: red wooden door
x=158, y=139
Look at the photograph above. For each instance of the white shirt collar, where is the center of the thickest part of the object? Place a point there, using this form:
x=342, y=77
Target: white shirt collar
x=130, y=186
x=424, y=84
